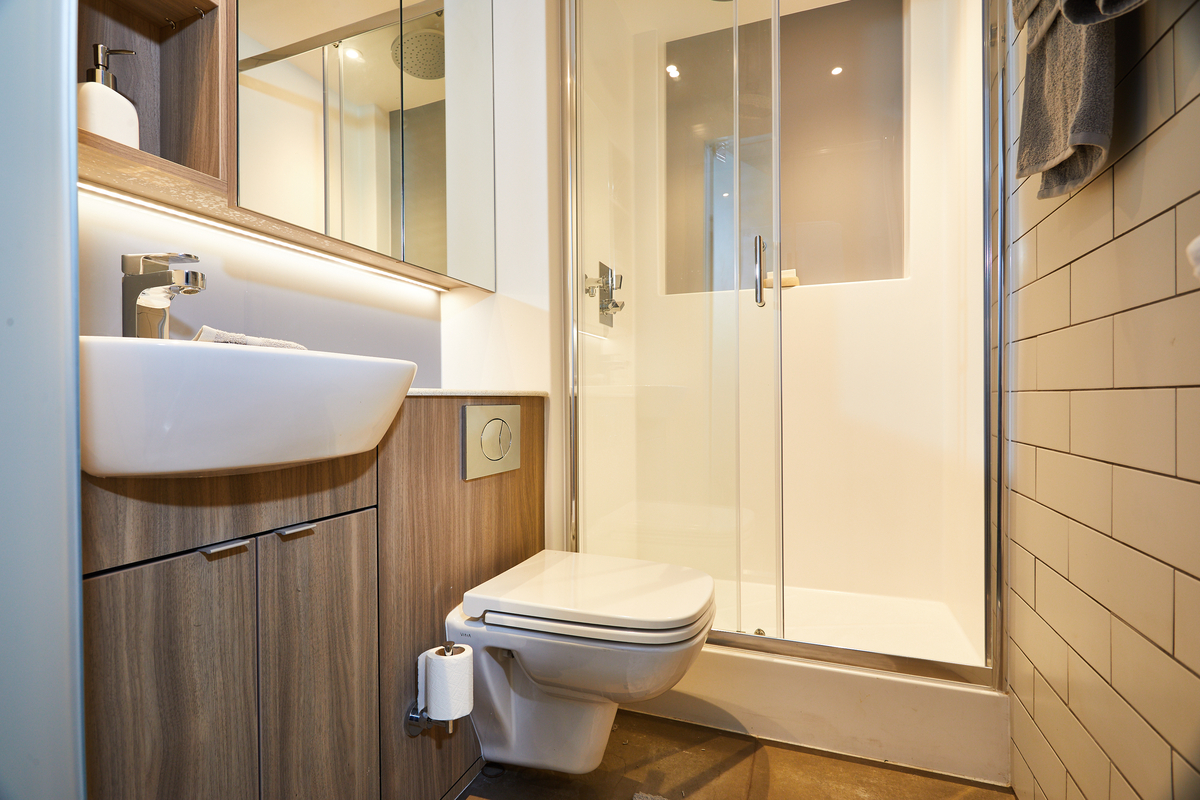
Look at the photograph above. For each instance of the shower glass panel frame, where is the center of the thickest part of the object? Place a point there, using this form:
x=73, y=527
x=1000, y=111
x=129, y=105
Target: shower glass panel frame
x=581, y=332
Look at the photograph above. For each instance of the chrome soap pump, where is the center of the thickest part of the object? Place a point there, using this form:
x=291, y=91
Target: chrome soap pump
x=102, y=109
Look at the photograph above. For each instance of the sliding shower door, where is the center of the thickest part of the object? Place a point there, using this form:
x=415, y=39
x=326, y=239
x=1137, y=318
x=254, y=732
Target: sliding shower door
x=780, y=315
x=876, y=130
x=656, y=310
x=761, y=544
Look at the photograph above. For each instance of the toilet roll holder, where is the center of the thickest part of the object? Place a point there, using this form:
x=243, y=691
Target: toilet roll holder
x=416, y=720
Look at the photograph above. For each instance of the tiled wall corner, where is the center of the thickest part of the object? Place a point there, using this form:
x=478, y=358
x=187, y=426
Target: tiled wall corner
x=1103, y=457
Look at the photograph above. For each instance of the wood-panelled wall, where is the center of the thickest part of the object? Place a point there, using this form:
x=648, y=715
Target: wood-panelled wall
x=439, y=536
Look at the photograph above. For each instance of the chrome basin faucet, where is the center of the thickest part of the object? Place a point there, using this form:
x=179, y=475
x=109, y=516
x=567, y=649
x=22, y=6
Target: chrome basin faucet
x=147, y=289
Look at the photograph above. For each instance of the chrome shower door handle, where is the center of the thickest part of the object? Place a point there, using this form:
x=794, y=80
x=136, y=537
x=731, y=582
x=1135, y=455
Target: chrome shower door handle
x=758, y=279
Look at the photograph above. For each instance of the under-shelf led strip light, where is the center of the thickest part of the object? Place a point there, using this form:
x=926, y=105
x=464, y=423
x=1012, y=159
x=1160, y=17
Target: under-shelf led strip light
x=212, y=223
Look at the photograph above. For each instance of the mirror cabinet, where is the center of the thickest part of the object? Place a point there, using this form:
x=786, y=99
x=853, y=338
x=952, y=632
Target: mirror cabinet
x=347, y=127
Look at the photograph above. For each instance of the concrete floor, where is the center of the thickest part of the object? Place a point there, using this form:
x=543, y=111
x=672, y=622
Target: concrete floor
x=677, y=761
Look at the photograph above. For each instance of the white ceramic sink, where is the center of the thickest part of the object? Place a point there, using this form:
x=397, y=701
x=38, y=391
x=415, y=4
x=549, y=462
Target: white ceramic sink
x=172, y=407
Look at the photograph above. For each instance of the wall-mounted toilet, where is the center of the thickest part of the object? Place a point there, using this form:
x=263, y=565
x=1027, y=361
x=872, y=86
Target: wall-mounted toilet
x=562, y=638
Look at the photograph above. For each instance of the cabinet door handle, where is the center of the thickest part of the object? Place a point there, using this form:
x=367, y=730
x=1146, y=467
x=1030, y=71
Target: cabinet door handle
x=221, y=548
x=292, y=530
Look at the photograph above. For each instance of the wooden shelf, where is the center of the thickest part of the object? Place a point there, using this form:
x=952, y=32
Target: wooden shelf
x=174, y=10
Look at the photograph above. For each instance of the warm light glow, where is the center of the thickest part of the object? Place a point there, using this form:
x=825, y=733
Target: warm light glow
x=221, y=226
x=837, y=71
x=673, y=70
x=353, y=53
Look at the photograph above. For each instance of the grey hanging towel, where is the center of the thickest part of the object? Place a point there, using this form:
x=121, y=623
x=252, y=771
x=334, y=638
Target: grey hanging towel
x=1066, y=121
x=1089, y=12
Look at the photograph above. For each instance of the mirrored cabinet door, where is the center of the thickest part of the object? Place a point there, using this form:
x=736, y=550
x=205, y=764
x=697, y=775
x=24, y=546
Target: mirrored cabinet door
x=373, y=126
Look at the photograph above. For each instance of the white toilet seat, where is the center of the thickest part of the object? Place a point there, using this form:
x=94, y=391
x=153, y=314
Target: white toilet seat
x=604, y=632
x=596, y=590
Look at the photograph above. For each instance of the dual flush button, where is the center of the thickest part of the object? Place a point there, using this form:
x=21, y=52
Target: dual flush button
x=491, y=440
x=496, y=439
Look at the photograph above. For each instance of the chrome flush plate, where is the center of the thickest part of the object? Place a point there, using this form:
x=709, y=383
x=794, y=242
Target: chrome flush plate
x=491, y=440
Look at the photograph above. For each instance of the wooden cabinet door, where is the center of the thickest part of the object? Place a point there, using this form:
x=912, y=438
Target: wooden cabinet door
x=169, y=679
x=319, y=661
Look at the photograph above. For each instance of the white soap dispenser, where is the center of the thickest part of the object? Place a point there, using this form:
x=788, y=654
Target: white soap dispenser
x=103, y=110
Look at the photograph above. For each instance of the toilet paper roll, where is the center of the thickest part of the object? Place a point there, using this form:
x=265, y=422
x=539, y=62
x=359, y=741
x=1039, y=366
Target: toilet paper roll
x=446, y=683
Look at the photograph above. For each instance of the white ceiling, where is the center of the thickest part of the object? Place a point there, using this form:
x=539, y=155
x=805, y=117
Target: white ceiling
x=275, y=23
x=679, y=19
x=373, y=80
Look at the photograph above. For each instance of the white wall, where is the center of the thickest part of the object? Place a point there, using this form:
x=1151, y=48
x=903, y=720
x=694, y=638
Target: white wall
x=41, y=687
x=281, y=145
x=883, y=380
x=256, y=287
x=1103, y=578
x=512, y=339
x=470, y=153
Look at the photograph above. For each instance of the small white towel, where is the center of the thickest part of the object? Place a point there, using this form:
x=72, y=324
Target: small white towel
x=1193, y=254
x=207, y=334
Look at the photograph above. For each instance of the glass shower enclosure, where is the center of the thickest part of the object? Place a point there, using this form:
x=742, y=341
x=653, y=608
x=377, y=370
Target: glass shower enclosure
x=782, y=313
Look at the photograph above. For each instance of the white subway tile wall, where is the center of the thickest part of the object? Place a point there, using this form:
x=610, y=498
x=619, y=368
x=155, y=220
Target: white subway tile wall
x=1129, y=271
x=1079, y=357
x=1020, y=676
x=1103, y=472
x=1187, y=222
x=1187, y=779
x=1022, y=467
x=1078, y=487
x=1119, y=788
x=1187, y=621
x=1076, y=749
x=1160, y=172
x=1022, y=776
x=1083, y=623
x=1021, y=573
x=1187, y=58
x=1082, y=224
x=1043, y=419
x=1145, y=98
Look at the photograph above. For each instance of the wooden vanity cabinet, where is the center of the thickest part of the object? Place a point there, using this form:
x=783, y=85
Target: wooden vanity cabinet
x=212, y=676
x=283, y=668
x=170, y=700
x=318, y=655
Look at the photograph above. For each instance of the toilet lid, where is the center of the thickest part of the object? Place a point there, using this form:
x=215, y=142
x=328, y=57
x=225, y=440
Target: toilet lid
x=604, y=632
x=596, y=590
